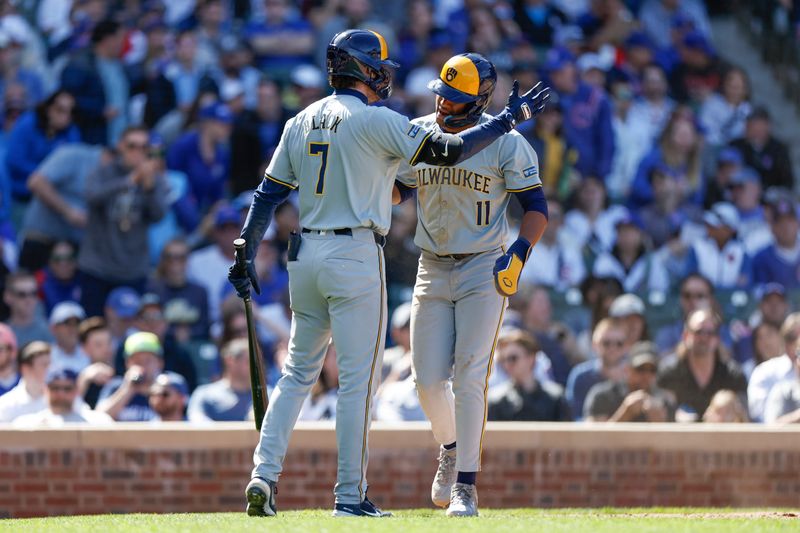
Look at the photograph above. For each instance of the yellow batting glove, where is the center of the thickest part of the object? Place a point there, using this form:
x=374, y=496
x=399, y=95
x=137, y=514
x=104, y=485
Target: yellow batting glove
x=508, y=267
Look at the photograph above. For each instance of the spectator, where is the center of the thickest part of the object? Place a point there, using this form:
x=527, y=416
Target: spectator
x=174, y=289
x=628, y=310
x=720, y=256
x=96, y=344
x=9, y=374
x=397, y=359
x=592, y=134
x=400, y=253
x=554, y=338
x=559, y=263
x=653, y=106
x=729, y=161
x=12, y=71
x=320, y=404
x=556, y=156
x=776, y=370
x=58, y=207
x=97, y=79
x=20, y=295
x=34, y=136
x=522, y=398
x=255, y=136
x=230, y=398
x=186, y=70
x=203, y=155
x=150, y=318
x=66, y=351
x=635, y=398
x=783, y=402
x=630, y=262
x=725, y=407
x=590, y=224
x=59, y=282
x=125, y=398
x=607, y=22
x=764, y=341
x=723, y=113
x=120, y=310
x=678, y=150
x=695, y=292
x=766, y=154
x=212, y=27
x=124, y=197
x=28, y=396
x=779, y=262
x=208, y=267
x=746, y=197
x=608, y=342
x=669, y=213
x=308, y=84
x=168, y=396
x=538, y=20
x=236, y=65
x=61, y=401
x=700, y=370
x=657, y=16
x=148, y=75
x=281, y=40
x=699, y=71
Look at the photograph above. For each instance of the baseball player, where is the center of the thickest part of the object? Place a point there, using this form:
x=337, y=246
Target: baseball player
x=464, y=273
x=342, y=155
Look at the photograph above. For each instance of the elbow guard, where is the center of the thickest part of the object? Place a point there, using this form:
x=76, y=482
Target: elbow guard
x=440, y=149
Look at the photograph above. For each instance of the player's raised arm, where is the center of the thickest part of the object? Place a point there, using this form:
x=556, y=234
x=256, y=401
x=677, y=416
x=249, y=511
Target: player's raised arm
x=447, y=149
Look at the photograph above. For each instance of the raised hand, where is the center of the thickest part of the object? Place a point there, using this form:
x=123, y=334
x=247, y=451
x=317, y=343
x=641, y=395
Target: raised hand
x=520, y=108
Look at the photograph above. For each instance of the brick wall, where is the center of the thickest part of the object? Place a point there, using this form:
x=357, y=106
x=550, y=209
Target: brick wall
x=174, y=469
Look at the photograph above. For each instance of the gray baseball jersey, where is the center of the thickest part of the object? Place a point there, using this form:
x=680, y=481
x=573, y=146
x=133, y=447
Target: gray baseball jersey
x=456, y=310
x=344, y=156
x=462, y=209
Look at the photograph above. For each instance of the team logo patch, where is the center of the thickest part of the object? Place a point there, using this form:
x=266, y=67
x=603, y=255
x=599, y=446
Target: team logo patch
x=450, y=74
x=413, y=131
x=530, y=171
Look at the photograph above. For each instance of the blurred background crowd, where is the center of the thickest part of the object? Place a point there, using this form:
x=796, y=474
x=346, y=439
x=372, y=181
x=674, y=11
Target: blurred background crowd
x=134, y=131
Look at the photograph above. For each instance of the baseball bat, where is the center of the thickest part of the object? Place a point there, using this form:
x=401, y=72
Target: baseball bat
x=258, y=385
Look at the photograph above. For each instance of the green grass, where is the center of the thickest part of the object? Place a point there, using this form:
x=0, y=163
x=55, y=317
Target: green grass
x=424, y=520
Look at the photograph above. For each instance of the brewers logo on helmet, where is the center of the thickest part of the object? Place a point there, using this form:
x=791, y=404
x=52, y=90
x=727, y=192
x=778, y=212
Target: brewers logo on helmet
x=352, y=48
x=466, y=78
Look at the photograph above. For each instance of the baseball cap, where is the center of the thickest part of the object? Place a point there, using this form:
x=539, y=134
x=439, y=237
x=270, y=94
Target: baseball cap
x=590, y=60
x=216, y=111
x=401, y=317
x=227, y=215
x=626, y=305
x=745, y=175
x=722, y=214
x=307, y=76
x=124, y=301
x=61, y=373
x=729, y=155
x=143, y=341
x=628, y=219
x=782, y=207
x=7, y=336
x=31, y=350
x=642, y=354
x=639, y=39
x=149, y=298
x=557, y=58
x=173, y=380
x=697, y=41
x=771, y=288
x=759, y=112
x=64, y=311
x=231, y=89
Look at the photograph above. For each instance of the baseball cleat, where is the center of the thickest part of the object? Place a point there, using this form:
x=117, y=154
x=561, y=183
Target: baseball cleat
x=445, y=477
x=463, y=500
x=365, y=508
x=261, y=497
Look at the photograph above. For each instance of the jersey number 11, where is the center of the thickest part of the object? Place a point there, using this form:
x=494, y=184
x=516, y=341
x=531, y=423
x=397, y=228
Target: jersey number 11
x=482, y=218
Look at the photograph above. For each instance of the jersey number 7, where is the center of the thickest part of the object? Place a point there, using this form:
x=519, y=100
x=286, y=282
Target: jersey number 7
x=320, y=149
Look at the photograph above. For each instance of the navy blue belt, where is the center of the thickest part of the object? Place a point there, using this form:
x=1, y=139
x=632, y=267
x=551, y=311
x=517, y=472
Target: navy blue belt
x=379, y=239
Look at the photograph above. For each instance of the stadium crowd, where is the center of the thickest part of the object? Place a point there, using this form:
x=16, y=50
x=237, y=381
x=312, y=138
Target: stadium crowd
x=664, y=289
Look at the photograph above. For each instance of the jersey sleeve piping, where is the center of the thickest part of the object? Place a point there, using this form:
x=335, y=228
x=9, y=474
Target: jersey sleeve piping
x=525, y=188
x=279, y=181
x=413, y=160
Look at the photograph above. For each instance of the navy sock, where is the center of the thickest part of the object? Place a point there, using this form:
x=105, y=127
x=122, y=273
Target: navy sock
x=449, y=446
x=467, y=478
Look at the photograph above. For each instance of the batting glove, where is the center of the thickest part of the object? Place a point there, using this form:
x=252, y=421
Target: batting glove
x=243, y=279
x=508, y=267
x=521, y=108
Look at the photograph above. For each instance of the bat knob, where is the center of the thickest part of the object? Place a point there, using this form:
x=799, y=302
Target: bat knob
x=239, y=243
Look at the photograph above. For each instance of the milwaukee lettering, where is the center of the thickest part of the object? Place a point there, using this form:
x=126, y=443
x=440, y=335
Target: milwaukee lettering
x=454, y=176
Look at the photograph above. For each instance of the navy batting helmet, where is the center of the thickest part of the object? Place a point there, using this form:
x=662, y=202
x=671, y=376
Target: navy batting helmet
x=350, y=49
x=466, y=78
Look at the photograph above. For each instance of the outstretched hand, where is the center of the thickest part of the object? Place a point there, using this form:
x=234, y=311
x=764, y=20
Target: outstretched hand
x=524, y=107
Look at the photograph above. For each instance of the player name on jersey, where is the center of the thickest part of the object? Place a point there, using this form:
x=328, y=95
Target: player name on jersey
x=455, y=176
x=325, y=121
